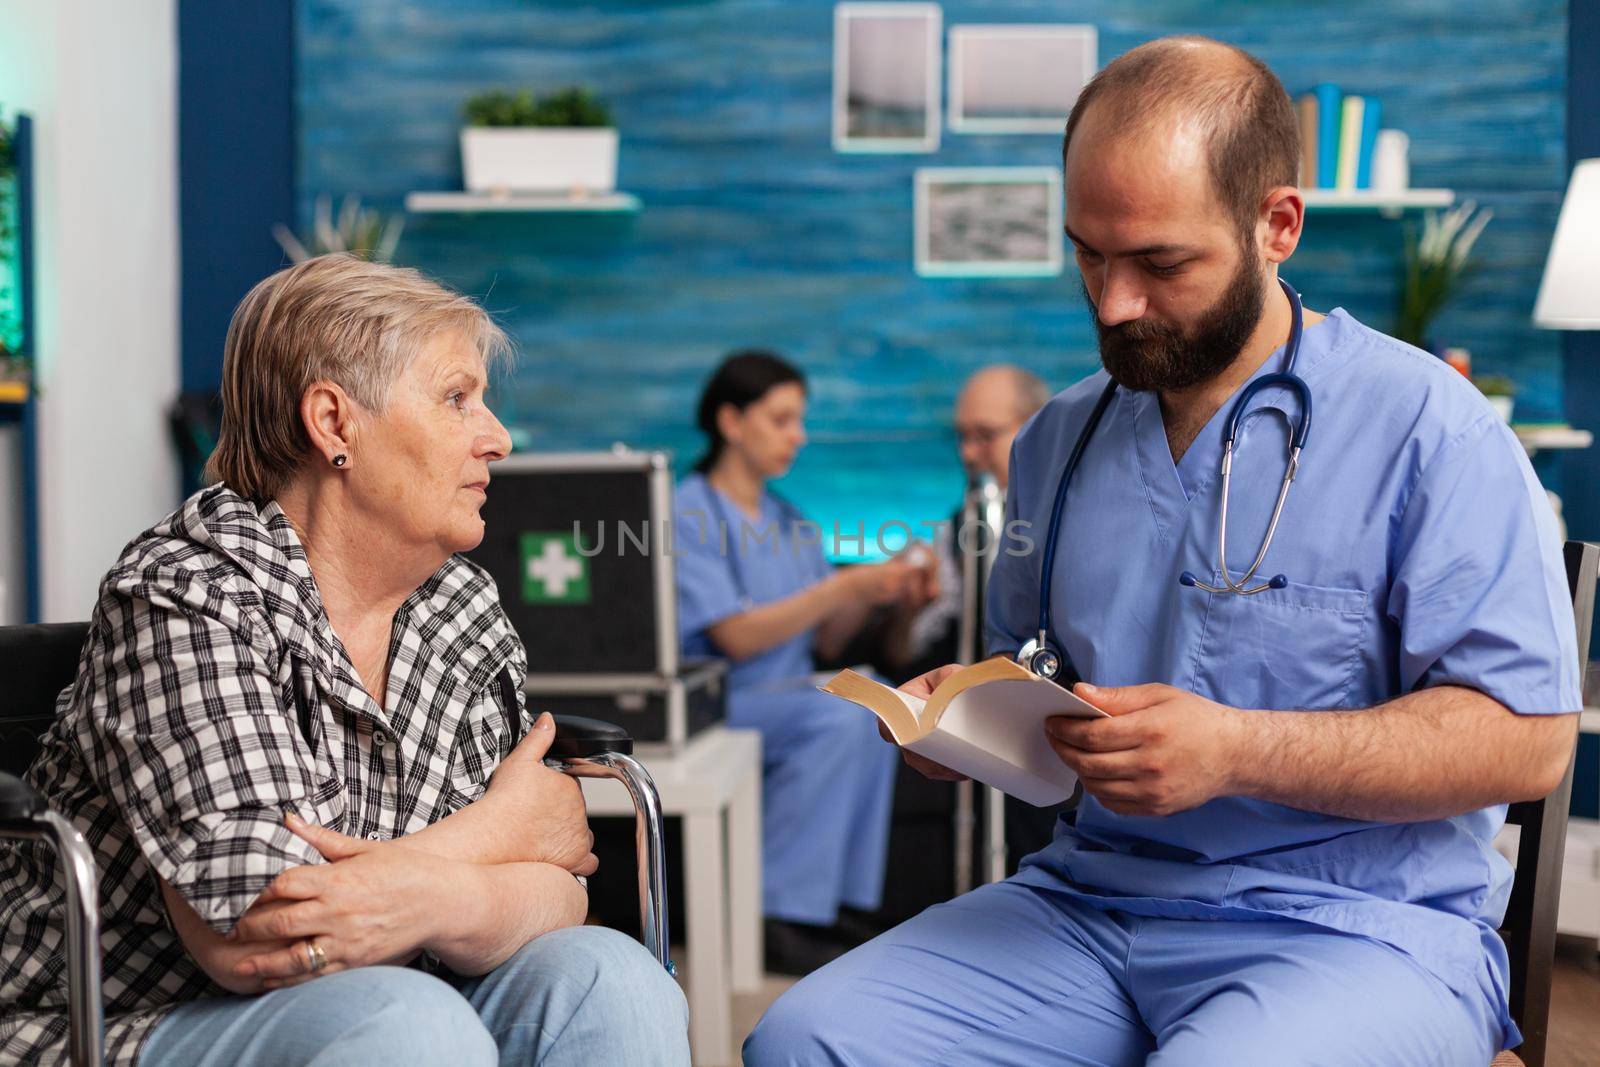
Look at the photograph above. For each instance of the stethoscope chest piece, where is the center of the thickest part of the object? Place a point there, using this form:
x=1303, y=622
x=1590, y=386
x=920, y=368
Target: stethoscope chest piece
x=1040, y=658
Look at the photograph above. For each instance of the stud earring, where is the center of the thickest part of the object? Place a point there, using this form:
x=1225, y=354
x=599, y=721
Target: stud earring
x=340, y=460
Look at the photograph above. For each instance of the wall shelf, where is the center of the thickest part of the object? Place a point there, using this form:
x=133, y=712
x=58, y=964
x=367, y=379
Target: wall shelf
x=1389, y=205
x=461, y=203
x=1536, y=437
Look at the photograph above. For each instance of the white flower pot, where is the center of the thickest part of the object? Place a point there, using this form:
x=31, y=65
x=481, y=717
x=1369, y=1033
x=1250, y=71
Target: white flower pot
x=539, y=159
x=1502, y=404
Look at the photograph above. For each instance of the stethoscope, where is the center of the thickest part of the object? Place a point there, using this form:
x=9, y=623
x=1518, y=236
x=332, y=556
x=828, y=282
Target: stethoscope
x=1040, y=654
x=786, y=511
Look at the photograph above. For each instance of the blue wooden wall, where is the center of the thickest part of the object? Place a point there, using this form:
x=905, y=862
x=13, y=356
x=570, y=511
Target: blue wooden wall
x=236, y=157
x=755, y=232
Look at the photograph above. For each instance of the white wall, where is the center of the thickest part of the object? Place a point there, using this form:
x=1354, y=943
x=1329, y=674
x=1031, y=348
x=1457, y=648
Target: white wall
x=100, y=79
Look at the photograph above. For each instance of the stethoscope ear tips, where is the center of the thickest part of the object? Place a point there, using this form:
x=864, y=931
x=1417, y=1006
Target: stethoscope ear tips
x=1187, y=578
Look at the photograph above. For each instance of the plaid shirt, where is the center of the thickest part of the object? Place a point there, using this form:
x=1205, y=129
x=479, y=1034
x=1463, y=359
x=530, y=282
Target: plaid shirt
x=212, y=697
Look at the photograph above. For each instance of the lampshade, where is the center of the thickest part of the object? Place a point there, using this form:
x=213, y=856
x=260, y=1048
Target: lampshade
x=1569, y=296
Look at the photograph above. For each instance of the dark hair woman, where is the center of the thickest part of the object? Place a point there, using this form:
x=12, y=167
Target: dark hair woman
x=753, y=586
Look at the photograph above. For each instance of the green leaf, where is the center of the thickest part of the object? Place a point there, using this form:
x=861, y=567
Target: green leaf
x=572, y=106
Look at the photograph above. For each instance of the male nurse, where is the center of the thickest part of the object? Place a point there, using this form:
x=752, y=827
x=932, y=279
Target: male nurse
x=1282, y=854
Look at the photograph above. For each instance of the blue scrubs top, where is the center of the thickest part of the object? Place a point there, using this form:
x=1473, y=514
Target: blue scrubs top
x=1420, y=550
x=728, y=563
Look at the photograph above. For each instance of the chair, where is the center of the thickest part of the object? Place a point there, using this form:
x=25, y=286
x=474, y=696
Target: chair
x=1530, y=924
x=589, y=748
x=23, y=814
x=38, y=661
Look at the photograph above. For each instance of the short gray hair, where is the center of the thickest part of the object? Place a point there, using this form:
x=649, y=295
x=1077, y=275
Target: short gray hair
x=1028, y=391
x=332, y=318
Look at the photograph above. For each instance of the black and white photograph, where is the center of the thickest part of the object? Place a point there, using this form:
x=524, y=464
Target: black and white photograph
x=886, y=77
x=976, y=222
x=1018, y=79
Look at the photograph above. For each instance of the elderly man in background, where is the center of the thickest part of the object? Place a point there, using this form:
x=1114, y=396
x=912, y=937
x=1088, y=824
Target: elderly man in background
x=993, y=405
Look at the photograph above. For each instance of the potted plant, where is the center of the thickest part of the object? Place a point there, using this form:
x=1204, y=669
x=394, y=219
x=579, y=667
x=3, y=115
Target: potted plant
x=560, y=143
x=1499, y=390
x=361, y=231
x=1434, y=266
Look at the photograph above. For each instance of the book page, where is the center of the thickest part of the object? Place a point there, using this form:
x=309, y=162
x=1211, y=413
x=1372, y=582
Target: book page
x=1040, y=790
x=1005, y=669
x=1006, y=717
x=901, y=712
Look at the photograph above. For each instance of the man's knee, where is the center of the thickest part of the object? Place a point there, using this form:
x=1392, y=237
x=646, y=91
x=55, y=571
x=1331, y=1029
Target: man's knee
x=796, y=1028
x=410, y=1018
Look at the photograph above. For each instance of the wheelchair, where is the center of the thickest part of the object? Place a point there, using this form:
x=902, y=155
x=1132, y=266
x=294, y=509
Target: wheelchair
x=38, y=661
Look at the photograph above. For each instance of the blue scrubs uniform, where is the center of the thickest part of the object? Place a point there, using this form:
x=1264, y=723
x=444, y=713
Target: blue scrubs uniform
x=827, y=777
x=1420, y=551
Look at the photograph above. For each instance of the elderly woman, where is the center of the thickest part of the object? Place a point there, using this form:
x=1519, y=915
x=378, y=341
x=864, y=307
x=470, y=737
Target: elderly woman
x=294, y=739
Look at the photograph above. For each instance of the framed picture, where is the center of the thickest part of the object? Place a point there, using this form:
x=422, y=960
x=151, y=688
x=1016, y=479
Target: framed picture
x=886, y=77
x=1018, y=79
x=988, y=222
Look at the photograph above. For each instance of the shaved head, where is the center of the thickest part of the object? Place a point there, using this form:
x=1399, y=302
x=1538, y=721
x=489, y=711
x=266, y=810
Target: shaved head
x=1222, y=99
x=1002, y=384
x=1181, y=162
x=993, y=405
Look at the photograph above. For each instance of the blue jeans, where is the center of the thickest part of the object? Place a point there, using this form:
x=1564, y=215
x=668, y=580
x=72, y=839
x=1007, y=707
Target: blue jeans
x=582, y=995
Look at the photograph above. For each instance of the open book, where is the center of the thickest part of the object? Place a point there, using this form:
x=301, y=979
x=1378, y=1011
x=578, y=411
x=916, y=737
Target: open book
x=985, y=721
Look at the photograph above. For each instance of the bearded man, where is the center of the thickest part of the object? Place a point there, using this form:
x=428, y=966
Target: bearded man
x=1282, y=854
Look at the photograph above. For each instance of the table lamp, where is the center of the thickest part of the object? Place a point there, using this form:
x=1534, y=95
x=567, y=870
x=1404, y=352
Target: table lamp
x=1569, y=295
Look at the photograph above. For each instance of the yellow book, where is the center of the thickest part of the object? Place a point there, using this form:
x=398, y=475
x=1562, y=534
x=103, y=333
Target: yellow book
x=985, y=721
x=1350, y=143
x=13, y=390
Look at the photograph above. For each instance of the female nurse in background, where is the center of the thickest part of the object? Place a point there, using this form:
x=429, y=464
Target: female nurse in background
x=753, y=586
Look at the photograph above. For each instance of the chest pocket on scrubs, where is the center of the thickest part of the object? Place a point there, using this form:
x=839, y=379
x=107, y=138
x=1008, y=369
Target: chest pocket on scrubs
x=1292, y=648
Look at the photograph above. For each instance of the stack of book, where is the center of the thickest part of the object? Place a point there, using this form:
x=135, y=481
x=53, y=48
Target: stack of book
x=1338, y=133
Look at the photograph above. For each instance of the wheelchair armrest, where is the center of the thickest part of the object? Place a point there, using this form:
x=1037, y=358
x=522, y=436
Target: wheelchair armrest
x=578, y=737
x=19, y=801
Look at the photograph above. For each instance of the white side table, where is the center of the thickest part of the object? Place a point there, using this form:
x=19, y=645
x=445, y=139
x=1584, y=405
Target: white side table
x=714, y=785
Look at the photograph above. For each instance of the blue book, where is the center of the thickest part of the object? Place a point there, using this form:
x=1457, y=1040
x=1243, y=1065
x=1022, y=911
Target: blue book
x=1369, y=142
x=1328, y=110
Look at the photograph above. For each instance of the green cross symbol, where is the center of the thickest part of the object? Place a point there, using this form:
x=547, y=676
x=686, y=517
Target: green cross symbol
x=553, y=571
